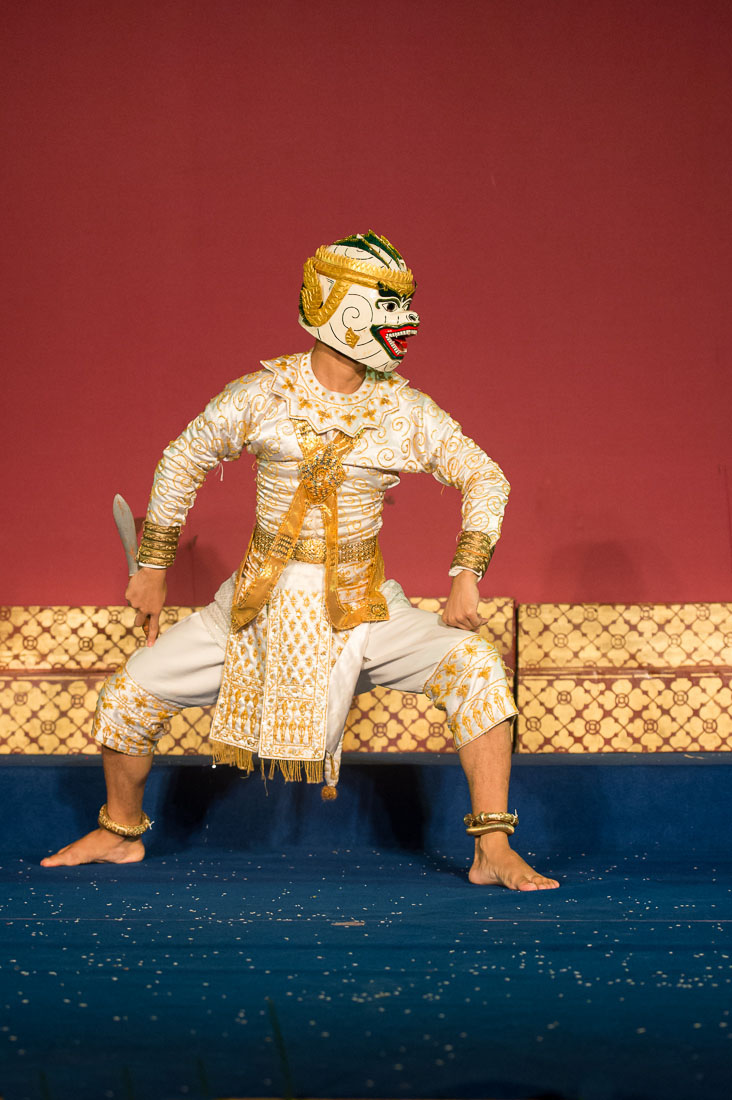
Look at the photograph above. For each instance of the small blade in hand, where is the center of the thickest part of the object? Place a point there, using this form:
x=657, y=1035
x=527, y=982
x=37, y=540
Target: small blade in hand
x=126, y=526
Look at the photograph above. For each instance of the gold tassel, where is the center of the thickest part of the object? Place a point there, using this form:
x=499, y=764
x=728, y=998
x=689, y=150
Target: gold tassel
x=224, y=753
x=314, y=771
x=292, y=770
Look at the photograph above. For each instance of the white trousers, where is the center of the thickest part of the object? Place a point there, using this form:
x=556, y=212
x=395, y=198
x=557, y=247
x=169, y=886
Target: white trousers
x=412, y=651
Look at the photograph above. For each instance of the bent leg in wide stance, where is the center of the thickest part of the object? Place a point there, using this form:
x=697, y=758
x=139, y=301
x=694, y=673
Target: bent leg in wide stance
x=464, y=676
x=183, y=668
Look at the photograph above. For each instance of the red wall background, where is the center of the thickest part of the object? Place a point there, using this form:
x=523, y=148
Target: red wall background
x=557, y=173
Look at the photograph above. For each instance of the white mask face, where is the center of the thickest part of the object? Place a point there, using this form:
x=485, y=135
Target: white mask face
x=370, y=326
x=357, y=297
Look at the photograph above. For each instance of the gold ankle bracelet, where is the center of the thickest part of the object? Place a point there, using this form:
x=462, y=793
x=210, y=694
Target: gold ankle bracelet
x=131, y=831
x=478, y=824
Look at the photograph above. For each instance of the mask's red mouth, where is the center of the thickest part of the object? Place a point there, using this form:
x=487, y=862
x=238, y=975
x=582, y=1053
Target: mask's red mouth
x=395, y=339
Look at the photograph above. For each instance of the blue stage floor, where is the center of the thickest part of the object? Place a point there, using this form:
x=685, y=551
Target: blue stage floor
x=375, y=971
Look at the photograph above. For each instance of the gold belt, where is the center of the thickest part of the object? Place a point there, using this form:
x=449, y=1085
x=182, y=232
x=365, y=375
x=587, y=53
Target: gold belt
x=313, y=550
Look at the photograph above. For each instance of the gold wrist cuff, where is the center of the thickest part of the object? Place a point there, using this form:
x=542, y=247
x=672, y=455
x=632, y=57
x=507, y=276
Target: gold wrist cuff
x=158, y=545
x=130, y=831
x=478, y=824
x=474, y=551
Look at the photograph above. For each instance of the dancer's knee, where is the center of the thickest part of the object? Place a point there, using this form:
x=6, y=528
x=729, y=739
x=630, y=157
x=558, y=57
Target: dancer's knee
x=471, y=685
x=128, y=718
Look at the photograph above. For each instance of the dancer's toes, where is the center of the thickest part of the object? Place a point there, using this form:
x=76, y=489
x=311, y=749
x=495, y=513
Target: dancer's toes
x=496, y=864
x=538, y=882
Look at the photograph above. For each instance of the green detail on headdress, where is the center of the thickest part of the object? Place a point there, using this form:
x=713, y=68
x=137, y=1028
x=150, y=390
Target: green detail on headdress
x=374, y=244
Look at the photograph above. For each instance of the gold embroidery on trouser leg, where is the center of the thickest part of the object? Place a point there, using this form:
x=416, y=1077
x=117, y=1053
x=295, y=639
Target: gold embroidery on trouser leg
x=128, y=718
x=471, y=685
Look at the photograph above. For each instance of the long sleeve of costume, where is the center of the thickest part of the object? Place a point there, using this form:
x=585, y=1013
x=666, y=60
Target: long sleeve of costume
x=440, y=448
x=218, y=434
x=456, y=460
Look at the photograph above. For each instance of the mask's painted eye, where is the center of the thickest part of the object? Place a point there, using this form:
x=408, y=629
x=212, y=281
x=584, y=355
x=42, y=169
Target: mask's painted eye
x=388, y=304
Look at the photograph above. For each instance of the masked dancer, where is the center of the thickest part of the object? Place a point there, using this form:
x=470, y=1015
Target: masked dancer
x=309, y=619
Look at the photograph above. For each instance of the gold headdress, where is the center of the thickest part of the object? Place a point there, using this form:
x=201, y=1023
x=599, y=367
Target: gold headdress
x=347, y=271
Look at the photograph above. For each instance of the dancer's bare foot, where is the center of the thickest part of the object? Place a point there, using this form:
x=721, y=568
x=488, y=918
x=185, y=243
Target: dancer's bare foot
x=99, y=846
x=496, y=864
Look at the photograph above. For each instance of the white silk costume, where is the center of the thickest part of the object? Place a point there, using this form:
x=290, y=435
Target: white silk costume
x=306, y=629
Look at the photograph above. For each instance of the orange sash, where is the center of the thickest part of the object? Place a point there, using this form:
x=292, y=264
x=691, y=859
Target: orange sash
x=321, y=473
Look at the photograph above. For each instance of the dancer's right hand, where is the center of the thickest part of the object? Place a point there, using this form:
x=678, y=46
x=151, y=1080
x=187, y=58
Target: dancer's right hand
x=146, y=593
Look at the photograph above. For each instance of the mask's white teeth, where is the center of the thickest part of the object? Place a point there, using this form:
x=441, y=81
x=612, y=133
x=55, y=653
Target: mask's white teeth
x=394, y=335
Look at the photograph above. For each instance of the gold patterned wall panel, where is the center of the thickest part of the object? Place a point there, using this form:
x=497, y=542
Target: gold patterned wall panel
x=53, y=660
x=620, y=636
x=97, y=639
x=624, y=677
